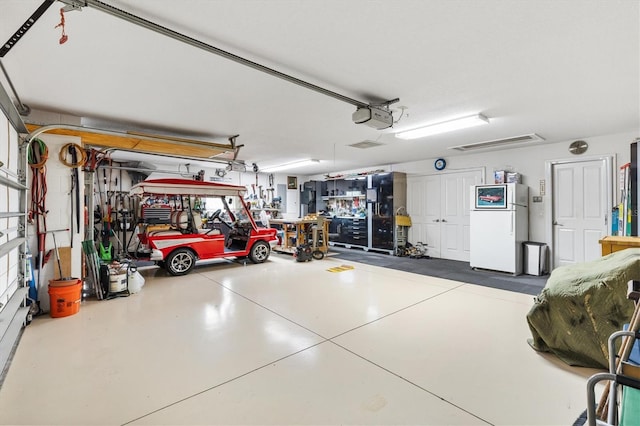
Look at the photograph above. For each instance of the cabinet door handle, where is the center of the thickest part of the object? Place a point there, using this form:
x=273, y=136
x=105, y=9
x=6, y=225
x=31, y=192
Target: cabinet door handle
x=444, y=220
x=436, y=220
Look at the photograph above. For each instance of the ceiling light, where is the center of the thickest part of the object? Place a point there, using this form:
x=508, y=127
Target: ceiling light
x=292, y=165
x=501, y=143
x=444, y=126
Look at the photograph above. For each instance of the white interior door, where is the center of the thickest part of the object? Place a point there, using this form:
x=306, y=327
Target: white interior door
x=581, y=199
x=417, y=209
x=439, y=209
x=454, y=211
x=433, y=224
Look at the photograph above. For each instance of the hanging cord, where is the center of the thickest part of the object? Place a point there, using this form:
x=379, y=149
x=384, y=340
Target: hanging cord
x=72, y=148
x=37, y=155
x=63, y=37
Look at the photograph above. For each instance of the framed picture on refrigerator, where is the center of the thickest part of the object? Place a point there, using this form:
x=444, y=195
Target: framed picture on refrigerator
x=491, y=197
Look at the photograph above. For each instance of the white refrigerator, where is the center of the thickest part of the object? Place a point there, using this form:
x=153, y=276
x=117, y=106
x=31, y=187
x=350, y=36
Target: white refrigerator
x=499, y=224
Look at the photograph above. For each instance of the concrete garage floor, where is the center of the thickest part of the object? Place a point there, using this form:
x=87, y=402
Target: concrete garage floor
x=288, y=343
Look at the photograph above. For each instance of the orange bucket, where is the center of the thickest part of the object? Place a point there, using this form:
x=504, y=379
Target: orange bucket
x=64, y=297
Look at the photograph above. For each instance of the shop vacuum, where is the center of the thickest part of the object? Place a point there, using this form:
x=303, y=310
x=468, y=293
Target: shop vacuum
x=303, y=253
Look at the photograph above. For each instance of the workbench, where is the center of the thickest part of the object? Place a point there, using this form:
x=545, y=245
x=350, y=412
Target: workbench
x=296, y=232
x=613, y=243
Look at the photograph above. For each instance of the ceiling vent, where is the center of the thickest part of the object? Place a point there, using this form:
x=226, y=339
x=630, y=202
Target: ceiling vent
x=366, y=144
x=501, y=143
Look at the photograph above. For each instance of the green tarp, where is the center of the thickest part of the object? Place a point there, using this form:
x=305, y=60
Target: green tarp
x=582, y=305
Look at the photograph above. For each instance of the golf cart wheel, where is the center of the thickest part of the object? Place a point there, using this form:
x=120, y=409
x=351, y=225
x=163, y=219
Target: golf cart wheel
x=318, y=255
x=259, y=252
x=180, y=262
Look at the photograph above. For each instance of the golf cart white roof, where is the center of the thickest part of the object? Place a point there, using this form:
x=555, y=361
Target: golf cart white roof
x=186, y=187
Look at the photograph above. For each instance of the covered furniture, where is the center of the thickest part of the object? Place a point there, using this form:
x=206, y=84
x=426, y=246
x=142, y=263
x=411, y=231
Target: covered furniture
x=581, y=306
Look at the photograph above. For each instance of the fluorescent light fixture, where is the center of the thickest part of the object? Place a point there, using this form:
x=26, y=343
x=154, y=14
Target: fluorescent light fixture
x=292, y=165
x=444, y=126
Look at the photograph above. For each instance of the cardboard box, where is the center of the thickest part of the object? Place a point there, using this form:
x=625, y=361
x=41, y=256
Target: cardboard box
x=514, y=177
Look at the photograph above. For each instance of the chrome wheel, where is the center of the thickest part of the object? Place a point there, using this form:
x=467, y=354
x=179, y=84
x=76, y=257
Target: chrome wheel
x=180, y=262
x=259, y=252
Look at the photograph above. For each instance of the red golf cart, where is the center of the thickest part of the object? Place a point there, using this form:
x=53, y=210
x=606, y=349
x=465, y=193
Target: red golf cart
x=184, y=221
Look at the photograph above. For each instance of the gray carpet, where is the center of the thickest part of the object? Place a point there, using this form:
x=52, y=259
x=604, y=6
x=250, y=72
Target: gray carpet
x=442, y=268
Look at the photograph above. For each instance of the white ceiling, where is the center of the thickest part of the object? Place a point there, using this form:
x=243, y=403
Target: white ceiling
x=562, y=69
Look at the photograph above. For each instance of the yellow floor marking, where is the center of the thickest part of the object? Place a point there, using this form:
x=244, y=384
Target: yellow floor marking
x=341, y=268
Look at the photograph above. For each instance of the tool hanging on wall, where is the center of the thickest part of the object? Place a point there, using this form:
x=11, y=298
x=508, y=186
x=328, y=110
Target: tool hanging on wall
x=106, y=248
x=37, y=155
x=78, y=159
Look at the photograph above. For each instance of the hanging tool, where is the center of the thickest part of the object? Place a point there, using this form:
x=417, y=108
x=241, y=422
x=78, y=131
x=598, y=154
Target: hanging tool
x=74, y=157
x=71, y=217
x=106, y=247
x=55, y=247
x=78, y=159
x=37, y=155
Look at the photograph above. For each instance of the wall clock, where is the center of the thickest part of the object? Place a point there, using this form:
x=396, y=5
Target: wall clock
x=440, y=164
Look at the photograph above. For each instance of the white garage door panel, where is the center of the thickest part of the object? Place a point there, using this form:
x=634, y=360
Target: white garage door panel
x=12, y=313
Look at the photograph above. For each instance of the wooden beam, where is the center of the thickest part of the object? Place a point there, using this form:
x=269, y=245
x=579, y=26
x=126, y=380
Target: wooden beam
x=143, y=143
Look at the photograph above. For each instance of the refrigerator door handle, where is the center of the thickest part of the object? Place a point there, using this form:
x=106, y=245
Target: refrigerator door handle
x=513, y=220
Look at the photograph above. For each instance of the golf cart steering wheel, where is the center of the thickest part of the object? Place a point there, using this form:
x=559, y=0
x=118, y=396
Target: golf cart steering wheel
x=216, y=215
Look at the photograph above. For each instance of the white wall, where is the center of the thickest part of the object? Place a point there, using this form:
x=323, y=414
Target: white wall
x=59, y=215
x=530, y=162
